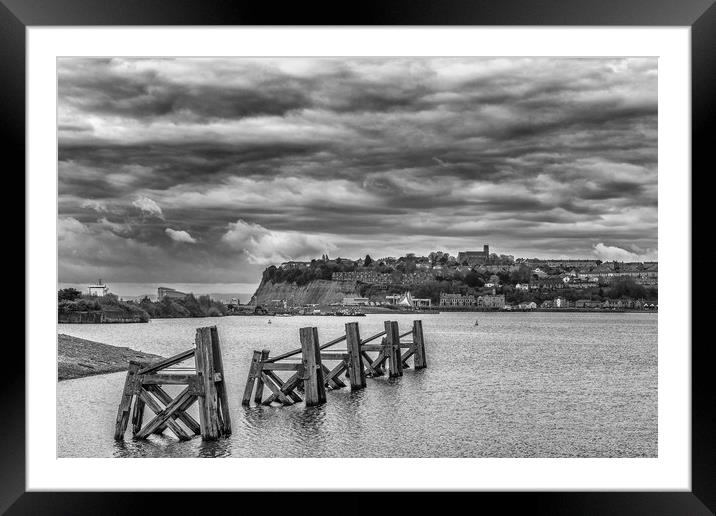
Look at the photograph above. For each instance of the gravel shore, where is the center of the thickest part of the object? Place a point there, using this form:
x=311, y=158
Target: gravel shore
x=77, y=357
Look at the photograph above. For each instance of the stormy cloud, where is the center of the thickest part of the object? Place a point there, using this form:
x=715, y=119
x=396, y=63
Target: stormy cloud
x=206, y=170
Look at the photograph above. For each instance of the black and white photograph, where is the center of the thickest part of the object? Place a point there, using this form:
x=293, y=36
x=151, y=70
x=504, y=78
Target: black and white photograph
x=357, y=257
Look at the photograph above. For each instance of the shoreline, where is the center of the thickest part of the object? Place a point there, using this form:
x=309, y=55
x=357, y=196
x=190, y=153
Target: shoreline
x=79, y=358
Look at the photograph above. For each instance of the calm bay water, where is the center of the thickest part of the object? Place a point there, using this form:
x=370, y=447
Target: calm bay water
x=517, y=385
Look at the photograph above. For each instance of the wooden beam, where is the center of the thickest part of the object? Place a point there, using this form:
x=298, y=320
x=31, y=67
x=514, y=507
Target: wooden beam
x=177, y=404
x=314, y=386
x=419, y=361
x=280, y=383
x=373, y=337
x=253, y=376
x=125, y=403
x=166, y=379
x=334, y=356
x=300, y=350
x=173, y=426
x=220, y=384
x=392, y=336
x=209, y=403
x=355, y=373
x=137, y=414
x=156, y=366
x=259, y=382
x=292, y=383
x=269, y=382
x=282, y=366
x=406, y=356
x=369, y=365
x=332, y=379
x=184, y=417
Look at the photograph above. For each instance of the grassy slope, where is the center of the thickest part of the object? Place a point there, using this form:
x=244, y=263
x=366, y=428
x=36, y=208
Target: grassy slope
x=79, y=357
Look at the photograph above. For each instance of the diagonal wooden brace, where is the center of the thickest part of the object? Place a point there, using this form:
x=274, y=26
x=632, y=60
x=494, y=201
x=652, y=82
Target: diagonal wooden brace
x=292, y=383
x=180, y=403
x=331, y=376
x=184, y=417
x=280, y=383
x=269, y=382
x=157, y=409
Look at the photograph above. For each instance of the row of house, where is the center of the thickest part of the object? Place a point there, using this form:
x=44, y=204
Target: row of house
x=375, y=278
x=631, y=304
x=369, y=276
x=465, y=300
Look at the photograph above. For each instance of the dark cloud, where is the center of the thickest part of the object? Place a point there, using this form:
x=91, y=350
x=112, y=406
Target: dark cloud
x=239, y=162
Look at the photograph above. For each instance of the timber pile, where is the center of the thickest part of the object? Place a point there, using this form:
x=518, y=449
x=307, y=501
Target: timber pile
x=204, y=383
x=310, y=374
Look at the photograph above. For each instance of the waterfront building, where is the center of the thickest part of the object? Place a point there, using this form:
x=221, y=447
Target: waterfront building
x=587, y=303
x=491, y=301
x=407, y=300
x=98, y=290
x=447, y=299
x=171, y=293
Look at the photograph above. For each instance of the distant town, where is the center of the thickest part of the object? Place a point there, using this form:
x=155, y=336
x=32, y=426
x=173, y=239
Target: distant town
x=469, y=280
x=474, y=280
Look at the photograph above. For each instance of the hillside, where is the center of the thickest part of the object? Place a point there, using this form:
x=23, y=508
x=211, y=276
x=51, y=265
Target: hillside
x=320, y=291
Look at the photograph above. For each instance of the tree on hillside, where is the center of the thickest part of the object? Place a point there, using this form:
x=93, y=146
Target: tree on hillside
x=473, y=279
x=68, y=294
x=626, y=287
x=521, y=275
x=368, y=260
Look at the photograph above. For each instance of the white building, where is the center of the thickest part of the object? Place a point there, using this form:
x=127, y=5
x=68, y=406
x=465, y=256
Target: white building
x=98, y=290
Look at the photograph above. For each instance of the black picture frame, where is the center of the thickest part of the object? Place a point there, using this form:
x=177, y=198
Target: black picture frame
x=700, y=15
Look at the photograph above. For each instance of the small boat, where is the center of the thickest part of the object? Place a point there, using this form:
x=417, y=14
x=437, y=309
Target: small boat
x=476, y=324
x=269, y=321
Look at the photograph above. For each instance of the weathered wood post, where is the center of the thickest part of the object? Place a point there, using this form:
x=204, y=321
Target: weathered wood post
x=137, y=415
x=313, y=382
x=355, y=371
x=125, y=404
x=220, y=383
x=254, y=374
x=209, y=402
x=392, y=342
x=258, y=396
x=419, y=357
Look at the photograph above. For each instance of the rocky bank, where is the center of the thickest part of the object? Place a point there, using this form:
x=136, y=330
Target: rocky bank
x=77, y=357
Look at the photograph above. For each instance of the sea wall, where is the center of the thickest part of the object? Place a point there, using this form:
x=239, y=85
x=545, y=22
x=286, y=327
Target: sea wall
x=97, y=317
x=320, y=292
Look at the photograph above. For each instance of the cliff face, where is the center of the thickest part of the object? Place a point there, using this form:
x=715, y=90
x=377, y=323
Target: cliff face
x=321, y=292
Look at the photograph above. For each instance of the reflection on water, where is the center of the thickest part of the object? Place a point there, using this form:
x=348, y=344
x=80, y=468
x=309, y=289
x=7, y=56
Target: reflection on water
x=519, y=385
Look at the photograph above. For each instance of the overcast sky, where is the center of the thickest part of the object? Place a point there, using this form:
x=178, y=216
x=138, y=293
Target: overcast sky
x=208, y=170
